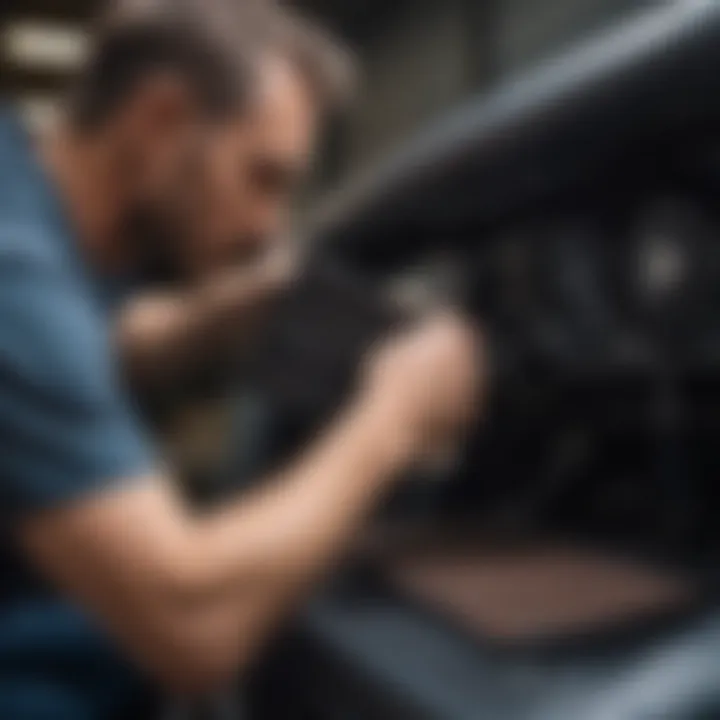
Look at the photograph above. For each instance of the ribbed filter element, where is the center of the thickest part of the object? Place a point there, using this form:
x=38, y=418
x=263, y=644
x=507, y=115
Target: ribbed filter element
x=541, y=593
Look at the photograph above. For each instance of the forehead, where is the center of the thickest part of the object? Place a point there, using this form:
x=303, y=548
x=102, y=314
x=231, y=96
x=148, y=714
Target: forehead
x=283, y=117
x=280, y=123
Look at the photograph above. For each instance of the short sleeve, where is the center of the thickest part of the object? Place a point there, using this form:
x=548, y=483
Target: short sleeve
x=67, y=429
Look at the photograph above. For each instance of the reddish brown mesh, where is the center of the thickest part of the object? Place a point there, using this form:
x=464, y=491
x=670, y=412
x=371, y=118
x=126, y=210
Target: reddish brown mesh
x=547, y=592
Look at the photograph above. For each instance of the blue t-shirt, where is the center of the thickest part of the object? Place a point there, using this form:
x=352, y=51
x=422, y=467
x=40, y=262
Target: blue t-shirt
x=67, y=431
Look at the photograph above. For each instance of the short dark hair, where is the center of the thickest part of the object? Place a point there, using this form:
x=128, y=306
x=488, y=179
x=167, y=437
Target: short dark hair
x=214, y=44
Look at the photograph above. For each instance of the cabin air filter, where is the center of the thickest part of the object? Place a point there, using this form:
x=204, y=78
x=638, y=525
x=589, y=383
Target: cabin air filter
x=536, y=594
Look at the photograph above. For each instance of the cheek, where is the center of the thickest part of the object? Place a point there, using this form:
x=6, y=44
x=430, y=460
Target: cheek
x=223, y=205
x=228, y=199
x=170, y=185
x=168, y=162
x=222, y=181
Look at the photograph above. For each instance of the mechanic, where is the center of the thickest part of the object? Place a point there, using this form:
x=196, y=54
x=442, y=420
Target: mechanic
x=190, y=126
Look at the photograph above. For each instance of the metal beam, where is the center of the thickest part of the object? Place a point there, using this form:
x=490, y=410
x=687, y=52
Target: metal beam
x=15, y=81
x=71, y=10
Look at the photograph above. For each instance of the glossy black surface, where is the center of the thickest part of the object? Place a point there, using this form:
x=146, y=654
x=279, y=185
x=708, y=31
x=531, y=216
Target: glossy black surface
x=580, y=202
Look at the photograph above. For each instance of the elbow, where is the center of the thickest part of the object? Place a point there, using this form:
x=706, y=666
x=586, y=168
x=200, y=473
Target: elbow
x=195, y=674
x=200, y=650
x=197, y=639
x=185, y=664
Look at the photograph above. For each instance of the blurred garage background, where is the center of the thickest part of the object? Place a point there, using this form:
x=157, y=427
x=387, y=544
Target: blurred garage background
x=419, y=57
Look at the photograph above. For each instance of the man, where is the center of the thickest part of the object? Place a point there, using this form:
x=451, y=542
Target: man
x=186, y=133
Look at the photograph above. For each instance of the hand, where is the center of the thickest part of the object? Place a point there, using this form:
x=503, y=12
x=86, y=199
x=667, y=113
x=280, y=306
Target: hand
x=249, y=288
x=429, y=381
x=281, y=264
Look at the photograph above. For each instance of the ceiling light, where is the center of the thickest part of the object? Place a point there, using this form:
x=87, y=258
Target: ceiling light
x=44, y=46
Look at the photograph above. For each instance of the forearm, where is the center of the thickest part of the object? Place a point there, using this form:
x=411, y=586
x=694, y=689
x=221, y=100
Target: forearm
x=301, y=519
x=257, y=559
x=191, y=598
x=165, y=339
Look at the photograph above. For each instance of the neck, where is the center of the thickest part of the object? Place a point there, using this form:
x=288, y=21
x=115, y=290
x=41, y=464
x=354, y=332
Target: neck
x=84, y=169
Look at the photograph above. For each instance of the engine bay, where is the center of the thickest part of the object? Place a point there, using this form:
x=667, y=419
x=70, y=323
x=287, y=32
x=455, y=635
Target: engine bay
x=573, y=215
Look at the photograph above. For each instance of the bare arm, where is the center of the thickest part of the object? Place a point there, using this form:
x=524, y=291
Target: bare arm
x=166, y=338
x=192, y=597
